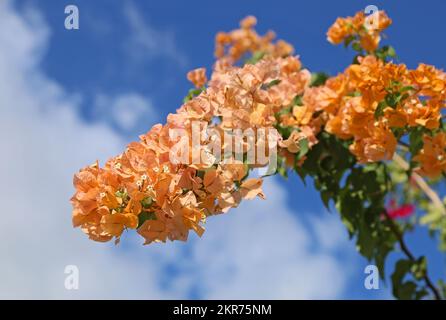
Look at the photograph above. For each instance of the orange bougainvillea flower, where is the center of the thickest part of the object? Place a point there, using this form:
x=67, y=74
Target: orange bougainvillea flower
x=197, y=77
x=432, y=157
x=252, y=188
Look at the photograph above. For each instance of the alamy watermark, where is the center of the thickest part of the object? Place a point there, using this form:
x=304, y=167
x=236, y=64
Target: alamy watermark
x=72, y=18
x=372, y=19
x=72, y=278
x=371, y=281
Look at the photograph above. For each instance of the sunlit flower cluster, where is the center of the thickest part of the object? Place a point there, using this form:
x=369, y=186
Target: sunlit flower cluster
x=432, y=156
x=143, y=189
x=373, y=103
x=197, y=77
x=365, y=31
x=234, y=45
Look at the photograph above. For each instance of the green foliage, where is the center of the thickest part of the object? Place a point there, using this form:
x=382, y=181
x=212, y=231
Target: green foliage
x=144, y=216
x=435, y=220
x=327, y=162
x=408, y=289
x=281, y=167
x=416, y=140
x=193, y=93
x=356, y=46
x=303, y=148
x=272, y=83
x=385, y=53
x=147, y=202
x=442, y=286
x=318, y=79
x=358, y=192
x=394, y=97
x=297, y=101
x=379, y=111
x=256, y=57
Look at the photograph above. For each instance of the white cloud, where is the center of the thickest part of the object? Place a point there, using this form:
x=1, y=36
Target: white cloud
x=146, y=42
x=128, y=112
x=262, y=251
x=257, y=251
x=43, y=142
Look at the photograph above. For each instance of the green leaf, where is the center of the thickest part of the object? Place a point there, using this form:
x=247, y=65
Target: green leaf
x=406, y=290
x=442, y=286
x=303, y=148
x=121, y=194
x=270, y=84
x=356, y=46
x=392, y=99
x=302, y=173
x=200, y=173
x=283, y=171
x=318, y=79
x=144, y=216
x=385, y=53
x=193, y=93
x=421, y=293
x=399, y=289
x=409, y=290
x=348, y=40
x=431, y=216
x=379, y=111
x=297, y=101
x=281, y=167
x=283, y=111
x=407, y=88
x=416, y=140
x=256, y=57
x=326, y=196
x=419, y=268
x=388, y=52
x=147, y=202
x=354, y=94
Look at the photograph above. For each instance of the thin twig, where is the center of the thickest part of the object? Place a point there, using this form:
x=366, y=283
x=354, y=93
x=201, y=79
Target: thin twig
x=410, y=256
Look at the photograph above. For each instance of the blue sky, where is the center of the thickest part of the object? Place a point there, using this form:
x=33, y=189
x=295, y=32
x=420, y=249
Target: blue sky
x=82, y=95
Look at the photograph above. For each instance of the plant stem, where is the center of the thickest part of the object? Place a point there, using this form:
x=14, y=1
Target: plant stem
x=431, y=194
x=395, y=230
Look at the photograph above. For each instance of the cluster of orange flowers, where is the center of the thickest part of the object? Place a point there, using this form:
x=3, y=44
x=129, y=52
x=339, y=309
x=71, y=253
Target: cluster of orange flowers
x=365, y=30
x=371, y=100
x=368, y=103
x=432, y=156
x=234, y=45
x=143, y=189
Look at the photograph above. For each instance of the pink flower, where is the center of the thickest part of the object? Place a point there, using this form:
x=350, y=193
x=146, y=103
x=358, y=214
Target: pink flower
x=402, y=211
